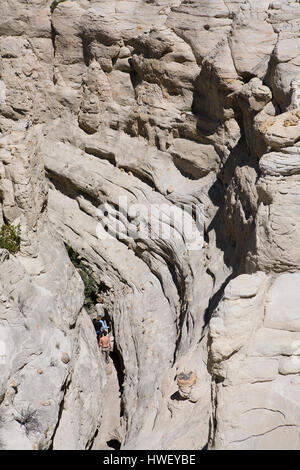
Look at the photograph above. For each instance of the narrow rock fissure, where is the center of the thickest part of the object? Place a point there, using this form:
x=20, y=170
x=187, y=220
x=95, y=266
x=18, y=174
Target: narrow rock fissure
x=65, y=389
x=107, y=437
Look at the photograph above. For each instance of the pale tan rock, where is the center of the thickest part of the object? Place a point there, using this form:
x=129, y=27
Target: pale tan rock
x=283, y=130
x=194, y=158
x=238, y=315
x=251, y=392
x=185, y=382
x=252, y=41
x=177, y=105
x=282, y=303
x=65, y=358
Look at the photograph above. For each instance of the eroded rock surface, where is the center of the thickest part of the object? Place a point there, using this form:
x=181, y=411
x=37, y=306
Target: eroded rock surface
x=111, y=110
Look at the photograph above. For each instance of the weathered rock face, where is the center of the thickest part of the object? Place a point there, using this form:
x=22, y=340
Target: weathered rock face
x=255, y=342
x=119, y=120
x=50, y=351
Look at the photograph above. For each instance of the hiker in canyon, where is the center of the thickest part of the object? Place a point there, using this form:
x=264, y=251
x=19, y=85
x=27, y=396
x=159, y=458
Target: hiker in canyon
x=99, y=307
x=97, y=326
x=103, y=324
x=105, y=344
x=99, y=322
x=100, y=326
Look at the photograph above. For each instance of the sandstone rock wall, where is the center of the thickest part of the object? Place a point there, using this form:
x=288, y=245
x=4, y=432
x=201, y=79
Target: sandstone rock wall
x=186, y=105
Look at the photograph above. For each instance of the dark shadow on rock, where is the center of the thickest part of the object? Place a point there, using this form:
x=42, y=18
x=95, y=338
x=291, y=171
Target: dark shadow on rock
x=214, y=301
x=119, y=366
x=114, y=444
x=176, y=396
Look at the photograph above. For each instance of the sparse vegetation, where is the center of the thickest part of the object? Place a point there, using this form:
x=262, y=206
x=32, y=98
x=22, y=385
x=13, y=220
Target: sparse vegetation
x=27, y=417
x=54, y=4
x=91, y=287
x=10, y=237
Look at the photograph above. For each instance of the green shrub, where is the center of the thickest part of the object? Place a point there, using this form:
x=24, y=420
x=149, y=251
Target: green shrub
x=10, y=237
x=54, y=4
x=91, y=287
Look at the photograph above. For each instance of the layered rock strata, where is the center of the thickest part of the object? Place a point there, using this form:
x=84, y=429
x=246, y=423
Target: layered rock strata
x=119, y=120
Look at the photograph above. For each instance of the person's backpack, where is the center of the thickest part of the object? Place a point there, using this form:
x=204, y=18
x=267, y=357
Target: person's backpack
x=97, y=325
